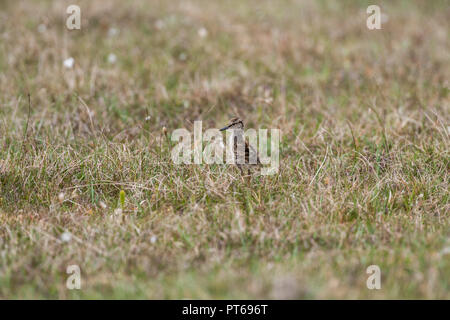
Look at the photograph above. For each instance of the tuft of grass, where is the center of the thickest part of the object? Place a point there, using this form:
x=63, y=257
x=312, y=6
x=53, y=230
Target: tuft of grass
x=122, y=199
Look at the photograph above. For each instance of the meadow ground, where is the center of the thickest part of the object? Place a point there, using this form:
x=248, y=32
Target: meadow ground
x=364, y=158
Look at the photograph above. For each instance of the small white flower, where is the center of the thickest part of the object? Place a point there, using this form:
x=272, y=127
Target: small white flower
x=103, y=205
x=159, y=24
x=112, y=58
x=61, y=196
x=66, y=237
x=42, y=28
x=147, y=118
x=202, y=32
x=68, y=63
x=113, y=32
x=153, y=239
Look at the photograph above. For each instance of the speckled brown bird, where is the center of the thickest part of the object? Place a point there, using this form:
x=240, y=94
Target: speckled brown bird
x=244, y=154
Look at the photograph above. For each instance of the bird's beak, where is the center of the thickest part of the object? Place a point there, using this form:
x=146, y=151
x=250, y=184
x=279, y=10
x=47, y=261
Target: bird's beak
x=225, y=128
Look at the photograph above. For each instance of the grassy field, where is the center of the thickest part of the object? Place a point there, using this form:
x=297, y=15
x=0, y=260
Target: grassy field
x=364, y=154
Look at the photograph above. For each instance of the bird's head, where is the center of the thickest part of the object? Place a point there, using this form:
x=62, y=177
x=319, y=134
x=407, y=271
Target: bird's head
x=234, y=123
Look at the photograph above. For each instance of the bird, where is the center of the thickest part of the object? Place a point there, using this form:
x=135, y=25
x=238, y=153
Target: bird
x=244, y=154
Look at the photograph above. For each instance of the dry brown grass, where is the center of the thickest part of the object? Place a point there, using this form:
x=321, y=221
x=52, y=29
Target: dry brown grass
x=372, y=106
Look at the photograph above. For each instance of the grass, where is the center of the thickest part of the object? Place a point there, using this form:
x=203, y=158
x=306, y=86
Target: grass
x=364, y=159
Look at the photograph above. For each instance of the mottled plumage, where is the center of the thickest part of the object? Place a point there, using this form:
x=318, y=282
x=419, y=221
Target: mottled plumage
x=241, y=145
